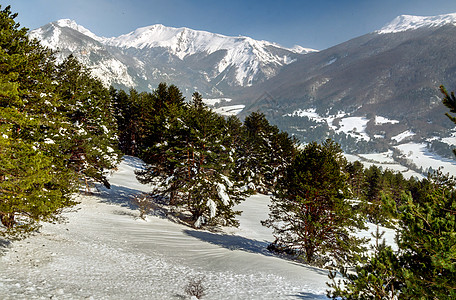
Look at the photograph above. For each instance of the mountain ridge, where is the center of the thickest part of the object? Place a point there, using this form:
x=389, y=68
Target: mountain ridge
x=378, y=75
x=410, y=22
x=231, y=62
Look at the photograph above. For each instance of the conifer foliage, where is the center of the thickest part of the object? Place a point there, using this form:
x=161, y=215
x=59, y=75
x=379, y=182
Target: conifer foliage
x=376, y=279
x=309, y=211
x=197, y=159
x=264, y=153
x=424, y=266
x=40, y=136
x=194, y=165
x=87, y=107
x=33, y=183
x=427, y=240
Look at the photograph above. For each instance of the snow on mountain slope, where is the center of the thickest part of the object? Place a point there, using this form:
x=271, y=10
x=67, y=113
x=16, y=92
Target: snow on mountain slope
x=242, y=52
x=54, y=30
x=302, y=50
x=184, y=41
x=73, y=25
x=407, y=22
x=220, y=60
x=67, y=37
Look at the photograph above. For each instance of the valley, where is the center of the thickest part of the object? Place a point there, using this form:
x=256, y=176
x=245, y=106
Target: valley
x=358, y=93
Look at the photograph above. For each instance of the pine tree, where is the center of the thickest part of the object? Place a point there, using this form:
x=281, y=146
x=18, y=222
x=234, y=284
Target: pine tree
x=212, y=189
x=256, y=160
x=157, y=111
x=309, y=210
x=378, y=200
x=126, y=112
x=377, y=279
x=160, y=127
x=194, y=164
x=355, y=172
x=265, y=153
x=427, y=240
x=374, y=183
x=90, y=113
x=35, y=183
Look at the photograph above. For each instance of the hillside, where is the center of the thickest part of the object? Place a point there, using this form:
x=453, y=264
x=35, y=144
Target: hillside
x=384, y=86
x=104, y=251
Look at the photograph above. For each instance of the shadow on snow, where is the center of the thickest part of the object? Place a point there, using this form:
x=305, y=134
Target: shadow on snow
x=133, y=162
x=235, y=242
x=231, y=242
x=305, y=295
x=123, y=196
x=119, y=195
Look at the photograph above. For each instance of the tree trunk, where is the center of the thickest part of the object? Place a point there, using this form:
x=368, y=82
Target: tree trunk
x=8, y=220
x=310, y=252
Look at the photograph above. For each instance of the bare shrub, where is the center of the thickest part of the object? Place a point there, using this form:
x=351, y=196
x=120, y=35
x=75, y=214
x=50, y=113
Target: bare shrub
x=195, y=287
x=144, y=204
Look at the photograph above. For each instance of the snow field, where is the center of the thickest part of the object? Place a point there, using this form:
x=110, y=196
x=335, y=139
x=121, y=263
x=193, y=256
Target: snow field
x=354, y=126
x=214, y=101
x=384, y=157
x=402, y=136
x=382, y=160
x=419, y=155
x=104, y=251
x=230, y=110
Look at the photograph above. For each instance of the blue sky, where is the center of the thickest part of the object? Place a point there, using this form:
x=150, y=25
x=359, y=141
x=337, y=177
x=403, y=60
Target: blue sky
x=317, y=24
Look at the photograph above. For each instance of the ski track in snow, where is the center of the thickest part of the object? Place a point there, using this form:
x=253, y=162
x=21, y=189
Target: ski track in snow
x=104, y=251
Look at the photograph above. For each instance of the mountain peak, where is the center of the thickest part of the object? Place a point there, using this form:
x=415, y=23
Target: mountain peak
x=73, y=25
x=408, y=22
x=185, y=41
x=302, y=50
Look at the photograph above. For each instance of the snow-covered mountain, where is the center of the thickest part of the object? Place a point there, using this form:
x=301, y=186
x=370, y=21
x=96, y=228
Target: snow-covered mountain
x=67, y=37
x=391, y=74
x=211, y=63
x=407, y=22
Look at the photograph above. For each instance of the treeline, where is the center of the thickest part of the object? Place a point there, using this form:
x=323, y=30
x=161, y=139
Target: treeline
x=441, y=148
x=308, y=130
x=380, y=191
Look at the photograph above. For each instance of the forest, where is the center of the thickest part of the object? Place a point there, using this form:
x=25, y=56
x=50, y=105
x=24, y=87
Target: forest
x=61, y=131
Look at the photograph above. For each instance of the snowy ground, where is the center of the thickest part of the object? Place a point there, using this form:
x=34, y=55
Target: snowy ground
x=230, y=110
x=104, y=252
x=419, y=154
x=385, y=161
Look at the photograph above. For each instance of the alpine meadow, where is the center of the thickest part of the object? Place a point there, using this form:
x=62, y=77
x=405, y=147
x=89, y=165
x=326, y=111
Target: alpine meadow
x=171, y=163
